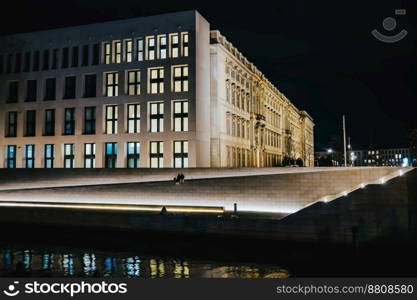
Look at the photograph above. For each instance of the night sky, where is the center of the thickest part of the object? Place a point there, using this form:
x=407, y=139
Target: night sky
x=320, y=54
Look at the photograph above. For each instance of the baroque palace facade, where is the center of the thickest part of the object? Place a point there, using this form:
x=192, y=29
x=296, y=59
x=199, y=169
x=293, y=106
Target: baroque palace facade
x=159, y=91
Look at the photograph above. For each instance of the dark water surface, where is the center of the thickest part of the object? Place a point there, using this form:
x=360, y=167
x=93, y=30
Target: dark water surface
x=31, y=262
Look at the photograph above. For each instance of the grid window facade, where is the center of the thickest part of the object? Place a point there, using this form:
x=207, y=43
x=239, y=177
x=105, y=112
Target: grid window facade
x=162, y=46
x=13, y=93
x=31, y=90
x=68, y=156
x=50, y=89
x=175, y=45
x=107, y=53
x=70, y=87
x=111, y=119
x=139, y=50
x=12, y=124
x=150, y=41
x=180, y=154
x=129, y=50
x=133, y=118
x=30, y=129
x=49, y=156
x=156, y=117
x=89, y=155
x=11, y=156
x=180, y=78
x=156, y=80
x=184, y=43
x=49, y=122
x=133, y=83
x=111, y=155
x=69, y=126
x=180, y=116
x=90, y=120
x=156, y=154
x=112, y=84
x=29, y=156
x=117, y=52
x=133, y=155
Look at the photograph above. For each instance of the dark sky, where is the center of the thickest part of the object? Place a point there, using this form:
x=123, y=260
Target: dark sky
x=319, y=53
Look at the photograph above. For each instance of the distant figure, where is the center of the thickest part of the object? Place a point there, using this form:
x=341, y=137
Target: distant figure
x=176, y=180
x=415, y=163
x=182, y=178
x=163, y=211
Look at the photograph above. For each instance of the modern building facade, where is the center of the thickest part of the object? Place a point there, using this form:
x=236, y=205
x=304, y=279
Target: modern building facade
x=159, y=91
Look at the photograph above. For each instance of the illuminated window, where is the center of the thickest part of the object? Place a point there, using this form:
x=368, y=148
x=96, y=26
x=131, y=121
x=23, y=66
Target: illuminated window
x=49, y=122
x=180, y=79
x=129, y=51
x=133, y=118
x=31, y=90
x=111, y=155
x=180, y=154
x=150, y=41
x=157, y=117
x=12, y=124
x=69, y=116
x=174, y=45
x=107, y=53
x=162, y=46
x=111, y=119
x=117, y=52
x=29, y=156
x=11, y=156
x=133, y=83
x=68, y=156
x=89, y=155
x=156, y=80
x=180, y=115
x=90, y=120
x=157, y=154
x=112, y=84
x=139, y=49
x=30, y=129
x=49, y=156
x=133, y=155
x=184, y=43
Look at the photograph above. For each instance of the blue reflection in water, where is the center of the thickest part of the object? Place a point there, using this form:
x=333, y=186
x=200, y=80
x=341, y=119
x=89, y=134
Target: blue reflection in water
x=89, y=264
x=68, y=264
x=132, y=266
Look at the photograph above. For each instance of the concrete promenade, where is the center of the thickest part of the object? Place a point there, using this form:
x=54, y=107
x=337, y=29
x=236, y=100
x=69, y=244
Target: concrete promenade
x=281, y=191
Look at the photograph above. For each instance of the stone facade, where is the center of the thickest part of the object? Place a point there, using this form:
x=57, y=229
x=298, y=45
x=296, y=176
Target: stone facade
x=160, y=91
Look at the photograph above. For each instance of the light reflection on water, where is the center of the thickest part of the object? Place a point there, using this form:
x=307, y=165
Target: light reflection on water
x=33, y=263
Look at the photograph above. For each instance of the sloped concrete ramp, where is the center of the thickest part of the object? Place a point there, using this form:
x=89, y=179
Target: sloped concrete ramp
x=281, y=191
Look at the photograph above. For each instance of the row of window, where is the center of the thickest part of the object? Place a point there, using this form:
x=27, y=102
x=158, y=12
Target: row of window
x=132, y=159
x=150, y=48
x=111, y=85
x=236, y=126
x=50, y=59
x=111, y=117
x=273, y=139
x=238, y=97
